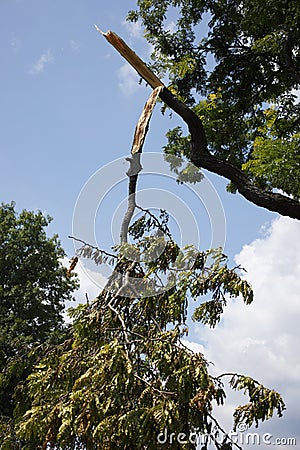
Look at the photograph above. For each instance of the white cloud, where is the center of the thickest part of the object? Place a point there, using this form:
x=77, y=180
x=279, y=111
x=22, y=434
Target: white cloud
x=296, y=92
x=263, y=339
x=134, y=29
x=172, y=27
x=128, y=79
x=91, y=283
x=39, y=66
x=15, y=43
x=136, y=33
x=74, y=45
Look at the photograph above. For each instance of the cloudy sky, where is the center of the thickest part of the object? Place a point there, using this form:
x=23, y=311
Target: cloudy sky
x=262, y=339
x=69, y=106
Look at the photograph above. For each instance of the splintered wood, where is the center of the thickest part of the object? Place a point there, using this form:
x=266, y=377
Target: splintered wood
x=144, y=71
x=143, y=122
x=132, y=58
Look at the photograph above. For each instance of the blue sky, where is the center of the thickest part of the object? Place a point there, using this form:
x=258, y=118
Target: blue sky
x=69, y=106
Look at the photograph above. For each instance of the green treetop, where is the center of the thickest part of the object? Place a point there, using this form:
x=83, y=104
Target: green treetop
x=237, y=66
x=33, y=288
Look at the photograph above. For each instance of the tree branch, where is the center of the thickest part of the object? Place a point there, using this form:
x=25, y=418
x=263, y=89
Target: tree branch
x=157, y=222
x=163, y=393
x=223, y=431
x=199, y=154
x=86, y=244
x=203, y=159
x=132, y=58
x=135, y=164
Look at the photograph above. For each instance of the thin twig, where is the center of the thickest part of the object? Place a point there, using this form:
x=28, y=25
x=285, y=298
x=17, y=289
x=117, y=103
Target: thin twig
x=142, y=337
x=158, y=224
x=223, y=431
x=92, y=246
x=156, y=323
x=238, y=375
x=122, y=323
x=153, y=388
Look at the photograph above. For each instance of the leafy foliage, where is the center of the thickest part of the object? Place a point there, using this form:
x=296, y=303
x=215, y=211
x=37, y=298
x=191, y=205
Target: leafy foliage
x=262, y=401
x=274, y=159
x=231, y=61
x=125, y=375
x=33, y=288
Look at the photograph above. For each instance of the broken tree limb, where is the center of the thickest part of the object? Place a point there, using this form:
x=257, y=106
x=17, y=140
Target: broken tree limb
x=133, y=59
x=200, y=156
x=143, y=122
x=135, y=164
x=194, y=123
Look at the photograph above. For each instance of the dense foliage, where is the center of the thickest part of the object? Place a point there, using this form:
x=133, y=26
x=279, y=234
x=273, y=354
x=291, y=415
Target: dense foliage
x=33, y=288
x=125, y=378
x=237, y=65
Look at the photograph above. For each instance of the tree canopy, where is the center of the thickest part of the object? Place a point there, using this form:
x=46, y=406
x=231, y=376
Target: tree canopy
x=236, y=65
x=125, y=379
x=33, y=289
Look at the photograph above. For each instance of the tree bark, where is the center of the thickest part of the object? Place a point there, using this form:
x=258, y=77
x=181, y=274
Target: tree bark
x=135, y=164
x=203, y=159
x=200, y=156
